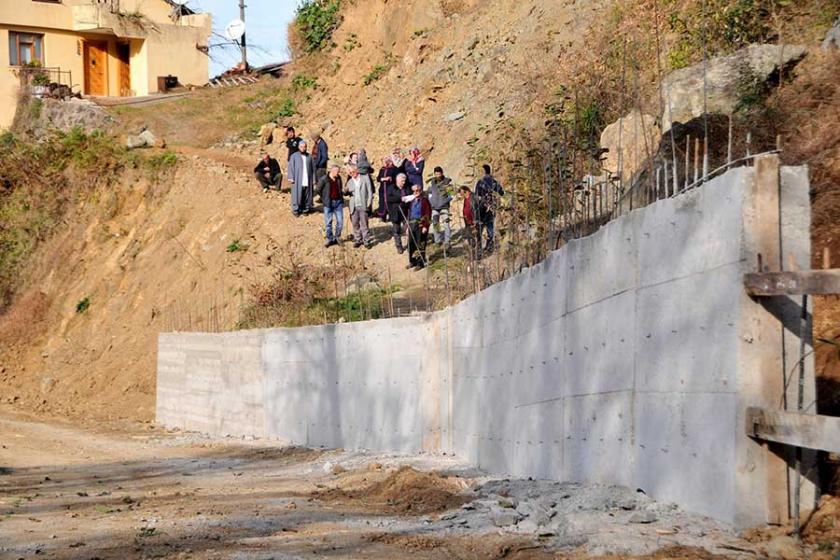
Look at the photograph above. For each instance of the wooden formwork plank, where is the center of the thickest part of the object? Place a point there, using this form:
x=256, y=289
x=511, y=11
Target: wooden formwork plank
x=789, y=283
x=810, y=431
x=768, y=219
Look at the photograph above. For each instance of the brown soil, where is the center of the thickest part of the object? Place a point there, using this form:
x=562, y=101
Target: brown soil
x=824, y=526
x=404, y=492
x=673, y=553
x=491, y=547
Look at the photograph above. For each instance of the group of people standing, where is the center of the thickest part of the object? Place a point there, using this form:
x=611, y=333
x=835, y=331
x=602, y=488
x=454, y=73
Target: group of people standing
x=412, y=207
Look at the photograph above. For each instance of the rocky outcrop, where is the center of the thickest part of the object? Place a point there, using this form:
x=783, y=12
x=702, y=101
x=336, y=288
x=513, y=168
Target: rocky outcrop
x=267, y=133
x=74, y=113
x=630, y=140
x=683, y=89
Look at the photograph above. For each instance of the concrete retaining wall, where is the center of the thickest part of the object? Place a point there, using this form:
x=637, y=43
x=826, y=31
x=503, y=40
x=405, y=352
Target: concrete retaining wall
x=626, y=357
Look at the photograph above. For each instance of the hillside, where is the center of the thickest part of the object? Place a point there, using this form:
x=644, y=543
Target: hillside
x=466, y=81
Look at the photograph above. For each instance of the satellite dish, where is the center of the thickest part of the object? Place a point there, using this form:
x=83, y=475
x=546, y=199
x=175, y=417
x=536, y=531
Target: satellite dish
x=235, y=30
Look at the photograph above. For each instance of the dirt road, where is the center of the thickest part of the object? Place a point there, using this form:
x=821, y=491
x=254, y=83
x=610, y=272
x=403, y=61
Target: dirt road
x=139, y=492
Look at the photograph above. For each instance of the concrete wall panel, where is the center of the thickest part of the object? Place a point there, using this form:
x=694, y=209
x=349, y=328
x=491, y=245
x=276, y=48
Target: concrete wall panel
x=685, y=449
x=603, y=264
x=599, y=341
x=538, y=440
x=678, y=322
x=698, y=231
x=597, y=427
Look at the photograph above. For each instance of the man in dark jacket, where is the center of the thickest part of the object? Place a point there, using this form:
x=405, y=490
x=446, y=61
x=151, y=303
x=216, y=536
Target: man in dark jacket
x=440, y=198
x=387, y=176
x=331, y=191
x=268, y=173
x=487, y=193
x=292, y=142
x=321, y=155
x=419, y=220
x=397, y=209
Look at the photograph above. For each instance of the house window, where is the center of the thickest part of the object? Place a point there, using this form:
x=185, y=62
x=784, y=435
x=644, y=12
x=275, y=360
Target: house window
x=25, y=48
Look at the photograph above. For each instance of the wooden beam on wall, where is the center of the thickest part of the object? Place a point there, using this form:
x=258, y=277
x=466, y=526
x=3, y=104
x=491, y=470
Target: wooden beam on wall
x=768, y=220
x=811, y=282
x=810, y=431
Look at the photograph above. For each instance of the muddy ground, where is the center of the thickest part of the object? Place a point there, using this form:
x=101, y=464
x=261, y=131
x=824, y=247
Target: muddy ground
x=135, y=491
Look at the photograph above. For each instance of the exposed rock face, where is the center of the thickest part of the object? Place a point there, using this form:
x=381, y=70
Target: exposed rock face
x=637, y=135
x=683, y=89
x=71, y=113
x=267, y=133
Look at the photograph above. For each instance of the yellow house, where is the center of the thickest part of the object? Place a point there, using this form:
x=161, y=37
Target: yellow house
x=100, y=47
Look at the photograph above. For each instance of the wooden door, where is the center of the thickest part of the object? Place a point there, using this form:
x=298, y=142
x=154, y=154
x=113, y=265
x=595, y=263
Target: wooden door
x=123, y=55
x=96, y=68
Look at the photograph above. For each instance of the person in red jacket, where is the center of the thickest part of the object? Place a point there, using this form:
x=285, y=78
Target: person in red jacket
x=470, y=227
x=419, y=220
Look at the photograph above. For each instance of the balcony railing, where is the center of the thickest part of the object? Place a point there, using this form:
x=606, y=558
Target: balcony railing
x=46, y=81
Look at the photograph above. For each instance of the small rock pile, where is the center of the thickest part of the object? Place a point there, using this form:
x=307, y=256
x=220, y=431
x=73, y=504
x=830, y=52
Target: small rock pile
x=544, y=508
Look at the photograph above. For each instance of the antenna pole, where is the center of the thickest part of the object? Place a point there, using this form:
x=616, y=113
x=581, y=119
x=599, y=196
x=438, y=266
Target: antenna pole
x=242, y=40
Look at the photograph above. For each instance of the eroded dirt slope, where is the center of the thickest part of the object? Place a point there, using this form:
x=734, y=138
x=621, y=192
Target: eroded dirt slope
x=152, y=258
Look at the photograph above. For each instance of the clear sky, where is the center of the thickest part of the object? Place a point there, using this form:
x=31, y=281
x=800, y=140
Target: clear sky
x=266, y=22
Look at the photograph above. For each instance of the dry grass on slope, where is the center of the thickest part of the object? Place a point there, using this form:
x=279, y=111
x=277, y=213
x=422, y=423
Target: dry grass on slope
x=210, y=116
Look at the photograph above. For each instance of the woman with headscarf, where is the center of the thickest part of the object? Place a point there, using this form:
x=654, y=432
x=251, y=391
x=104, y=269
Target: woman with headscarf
x=387, y=176
x=398, y=160
x=414, y=166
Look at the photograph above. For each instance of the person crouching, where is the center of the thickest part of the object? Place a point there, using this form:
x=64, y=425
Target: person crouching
x=268, y=173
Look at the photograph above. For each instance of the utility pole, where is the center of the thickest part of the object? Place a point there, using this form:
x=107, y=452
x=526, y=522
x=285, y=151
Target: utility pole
x=242, y=39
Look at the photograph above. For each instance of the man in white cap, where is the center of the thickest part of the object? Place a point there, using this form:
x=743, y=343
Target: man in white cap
x=302, y=179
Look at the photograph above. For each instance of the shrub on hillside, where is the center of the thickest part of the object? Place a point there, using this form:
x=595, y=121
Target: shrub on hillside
x=376, y=73
x=313, y=26
x=303, y=82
